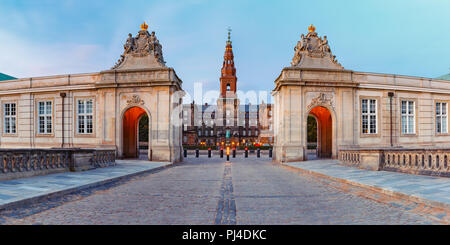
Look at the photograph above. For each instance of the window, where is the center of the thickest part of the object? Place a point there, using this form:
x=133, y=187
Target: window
x=441, y=117
x=85, y=114
x=184, y=139
x=369, y=116
x=212, y=132
x=199, y=133
x=408, y=117
x=45, y=117
x=185, y=127
x=9, y=113
x=228, y=87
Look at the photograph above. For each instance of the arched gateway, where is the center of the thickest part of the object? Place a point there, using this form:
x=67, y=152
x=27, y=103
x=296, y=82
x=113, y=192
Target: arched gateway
x=100, y=110
x=324, y=131
x=374, y=121
x=130, y=132
x=309, y=87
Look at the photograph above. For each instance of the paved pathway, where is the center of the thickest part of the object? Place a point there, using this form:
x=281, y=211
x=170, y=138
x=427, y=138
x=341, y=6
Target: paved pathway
x=18, y=190
x=434, y=190
x=210, y=191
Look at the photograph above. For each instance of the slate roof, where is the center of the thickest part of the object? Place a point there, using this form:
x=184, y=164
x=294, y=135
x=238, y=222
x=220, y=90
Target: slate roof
x=444, y=77
x=4, y=77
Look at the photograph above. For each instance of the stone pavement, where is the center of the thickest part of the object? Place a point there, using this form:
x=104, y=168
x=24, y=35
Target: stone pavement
x=211, y=191
x=434, y=191
x=18, y=192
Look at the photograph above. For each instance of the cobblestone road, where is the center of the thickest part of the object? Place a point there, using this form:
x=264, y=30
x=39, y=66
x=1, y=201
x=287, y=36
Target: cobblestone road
x=209, y=191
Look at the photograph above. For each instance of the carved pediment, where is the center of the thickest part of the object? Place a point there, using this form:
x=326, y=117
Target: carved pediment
x=141, y=51
x=321, y=99
x=135, y=100
x=313, y=51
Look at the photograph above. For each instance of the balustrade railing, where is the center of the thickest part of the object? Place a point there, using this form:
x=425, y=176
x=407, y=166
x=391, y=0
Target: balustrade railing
x=429, y=162
x=29, y=160
x=415, y=161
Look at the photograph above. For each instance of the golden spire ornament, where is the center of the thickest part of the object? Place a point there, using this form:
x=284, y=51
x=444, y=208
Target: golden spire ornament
x=144, y=26
x=311, y=28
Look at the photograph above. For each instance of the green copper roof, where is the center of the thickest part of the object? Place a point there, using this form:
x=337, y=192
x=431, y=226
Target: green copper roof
x=444, y=77
x=6, y=77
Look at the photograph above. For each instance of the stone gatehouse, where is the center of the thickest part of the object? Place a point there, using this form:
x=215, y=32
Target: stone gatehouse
x=355, y=111
x=99, y=110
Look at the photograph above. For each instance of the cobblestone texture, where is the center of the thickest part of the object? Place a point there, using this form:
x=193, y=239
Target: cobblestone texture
x=191, y=193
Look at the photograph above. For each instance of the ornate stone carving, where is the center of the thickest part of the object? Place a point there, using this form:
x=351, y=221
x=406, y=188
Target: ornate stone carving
x=143, y=45
x=322, y=99
x=135, y=100
x=318, y=89
x=313, y=46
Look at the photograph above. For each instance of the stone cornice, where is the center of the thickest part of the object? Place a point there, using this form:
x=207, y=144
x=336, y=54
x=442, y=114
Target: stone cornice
x=47, y=89
x=163, y=76
x=294, y=76
x=150, y=77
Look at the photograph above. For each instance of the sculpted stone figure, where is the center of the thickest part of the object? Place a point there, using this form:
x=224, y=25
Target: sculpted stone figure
x=301, y=45
x=324, y=45
x=130, y=44
x=314, y=51
x=140, y=47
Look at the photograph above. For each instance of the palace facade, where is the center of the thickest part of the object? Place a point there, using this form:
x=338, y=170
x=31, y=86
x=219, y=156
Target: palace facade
x=367, y=119
x=228, y=122
x=99, y=110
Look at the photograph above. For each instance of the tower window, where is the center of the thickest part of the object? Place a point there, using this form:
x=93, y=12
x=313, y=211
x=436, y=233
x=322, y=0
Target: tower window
x=228, y=87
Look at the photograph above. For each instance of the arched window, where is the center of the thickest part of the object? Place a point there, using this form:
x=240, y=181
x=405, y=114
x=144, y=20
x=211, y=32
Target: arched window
x=228, y=87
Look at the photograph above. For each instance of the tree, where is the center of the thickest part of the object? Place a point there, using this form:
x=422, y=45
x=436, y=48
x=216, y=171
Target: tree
x=143, y=128
x=312, y=129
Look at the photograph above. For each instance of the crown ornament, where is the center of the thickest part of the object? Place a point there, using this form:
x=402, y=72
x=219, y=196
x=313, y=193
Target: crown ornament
x=144, y=26
x=311, y=28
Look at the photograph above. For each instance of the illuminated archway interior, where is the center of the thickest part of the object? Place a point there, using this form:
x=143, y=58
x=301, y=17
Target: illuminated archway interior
x=324, y=131
x=131, y=131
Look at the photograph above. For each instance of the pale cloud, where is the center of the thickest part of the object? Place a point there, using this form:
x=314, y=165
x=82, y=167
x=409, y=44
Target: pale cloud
x=24, y=58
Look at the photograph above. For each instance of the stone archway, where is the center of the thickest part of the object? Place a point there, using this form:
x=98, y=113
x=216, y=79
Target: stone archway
x=130, y=122
x=324, y=131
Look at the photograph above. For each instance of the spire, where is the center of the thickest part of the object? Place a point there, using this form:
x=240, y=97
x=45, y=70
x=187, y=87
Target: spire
x=228, y=75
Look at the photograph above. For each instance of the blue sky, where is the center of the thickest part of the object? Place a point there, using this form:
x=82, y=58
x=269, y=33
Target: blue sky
x=40, y=38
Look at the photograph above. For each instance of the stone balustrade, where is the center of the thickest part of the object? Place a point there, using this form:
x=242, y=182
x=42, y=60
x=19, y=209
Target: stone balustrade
x=431, y=161
x=17, y=163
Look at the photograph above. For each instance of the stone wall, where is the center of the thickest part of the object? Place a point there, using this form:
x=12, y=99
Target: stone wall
x=298, y=90
x=427, y=161
x=18, y=163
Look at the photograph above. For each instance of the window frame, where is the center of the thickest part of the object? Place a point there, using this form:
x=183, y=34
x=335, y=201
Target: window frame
x=441, y=115
x=369, y=114
x=4, y=133
x=378, y=114
x=74, y=116
x=38, y=115
x=85, y=114
x=415, y=112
